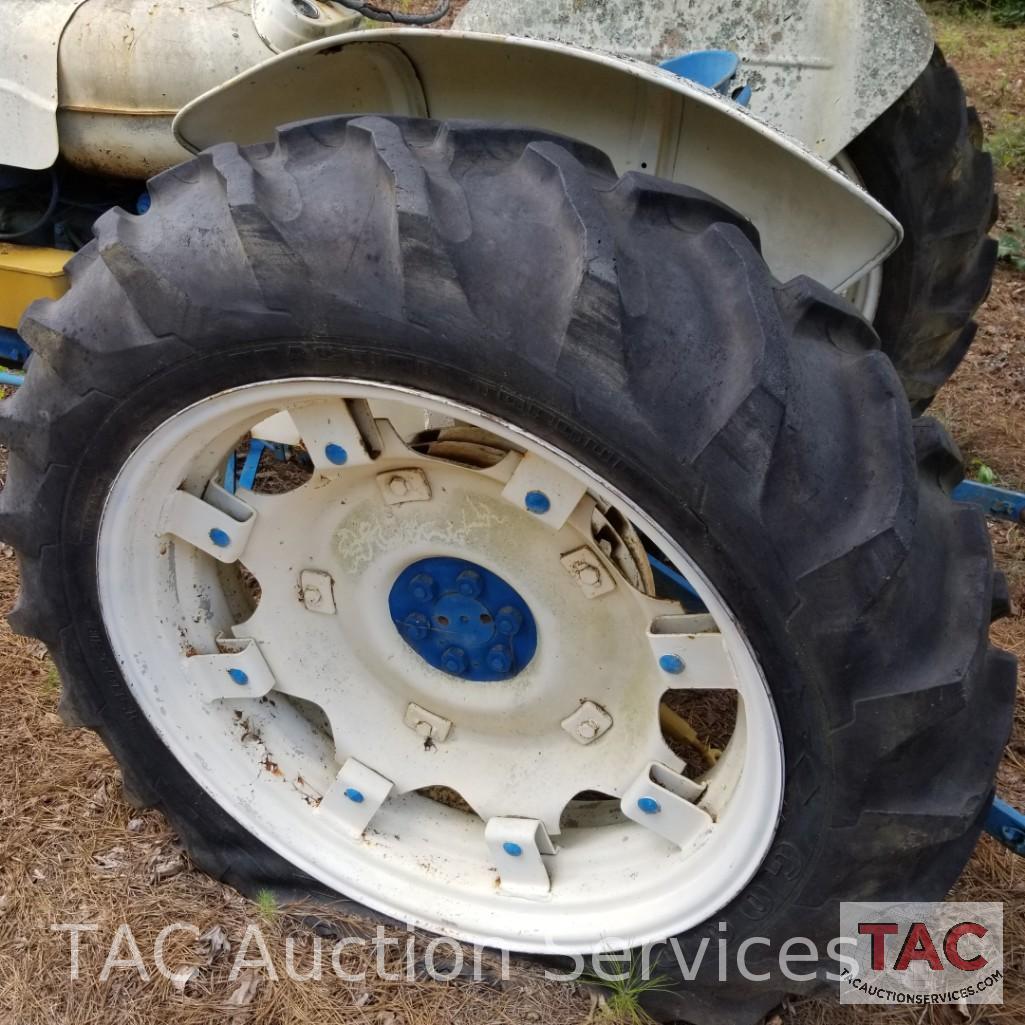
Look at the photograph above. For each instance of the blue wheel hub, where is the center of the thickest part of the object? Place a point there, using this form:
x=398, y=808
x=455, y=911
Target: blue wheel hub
x=463, y=619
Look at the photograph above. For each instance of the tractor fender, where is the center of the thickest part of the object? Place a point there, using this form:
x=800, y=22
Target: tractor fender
x=812, y=219
x=820, y=70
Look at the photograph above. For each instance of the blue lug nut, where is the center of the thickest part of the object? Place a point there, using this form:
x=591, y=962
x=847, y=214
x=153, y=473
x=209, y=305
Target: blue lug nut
x=354, y=795
x=454, y=661
x=649, y=805
x=469, y=583
x=336, y=454
x=422, y=587
x=239, y=676
x=537, y=502
x=220, y=537
x=514, y=850
x=508, y=620
x=671, y=664
x=499, y=659
x=417, y=626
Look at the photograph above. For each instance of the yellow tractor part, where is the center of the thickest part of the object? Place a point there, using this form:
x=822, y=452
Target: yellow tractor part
x=28, y=273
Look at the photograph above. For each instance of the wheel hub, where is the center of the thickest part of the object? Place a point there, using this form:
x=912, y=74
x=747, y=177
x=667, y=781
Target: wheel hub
x=463, y=619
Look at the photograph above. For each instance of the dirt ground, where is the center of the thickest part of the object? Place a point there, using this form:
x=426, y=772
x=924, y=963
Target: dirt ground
x=72, y=850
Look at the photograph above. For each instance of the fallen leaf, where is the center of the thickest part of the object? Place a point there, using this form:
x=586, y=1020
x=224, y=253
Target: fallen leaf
x=245, y=991
x=214, y=942
x=112, y=861
x=182, y=977
x=166, y=868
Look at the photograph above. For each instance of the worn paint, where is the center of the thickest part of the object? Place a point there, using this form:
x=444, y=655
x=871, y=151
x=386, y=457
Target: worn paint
x=821, y=70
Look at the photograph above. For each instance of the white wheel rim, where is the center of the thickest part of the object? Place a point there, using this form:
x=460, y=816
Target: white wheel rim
x=864, y=294
x=611, y=880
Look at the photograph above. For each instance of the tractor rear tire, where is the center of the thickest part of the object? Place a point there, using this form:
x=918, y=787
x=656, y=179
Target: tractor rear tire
x=631, y=324
x=923, y=160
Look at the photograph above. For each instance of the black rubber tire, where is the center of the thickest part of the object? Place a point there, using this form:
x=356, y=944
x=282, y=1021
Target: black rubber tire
x=632, y=323
x=923, y=161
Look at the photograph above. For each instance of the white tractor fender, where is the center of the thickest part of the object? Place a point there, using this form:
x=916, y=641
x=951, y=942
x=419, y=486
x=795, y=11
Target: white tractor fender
x=813, y=219
x=821, y=70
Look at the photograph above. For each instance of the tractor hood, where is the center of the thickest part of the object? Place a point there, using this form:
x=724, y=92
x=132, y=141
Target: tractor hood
x=813, y=219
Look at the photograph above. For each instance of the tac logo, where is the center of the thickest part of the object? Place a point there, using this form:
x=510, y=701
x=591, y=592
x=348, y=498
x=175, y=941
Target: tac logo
x=922, y=953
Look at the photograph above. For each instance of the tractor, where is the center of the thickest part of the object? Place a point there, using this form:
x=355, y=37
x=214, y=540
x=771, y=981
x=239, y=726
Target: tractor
x=476, y=476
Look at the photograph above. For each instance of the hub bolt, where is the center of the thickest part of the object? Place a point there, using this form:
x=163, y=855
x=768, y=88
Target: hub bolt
x=422, y=587
x=587, y=723
x=398, y=486
x=454, y=661
x=469, y=583
x=499, y=659
x=417, y=626
x=508, y=620
x=649, y=805
x=537, y=502
x=220, y=537
x=239, y=676
x=336, y=454
x=672, y=664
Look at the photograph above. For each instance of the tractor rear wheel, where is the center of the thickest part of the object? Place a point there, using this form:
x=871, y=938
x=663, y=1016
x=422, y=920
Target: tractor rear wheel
x=923, y=160
x=609, y=588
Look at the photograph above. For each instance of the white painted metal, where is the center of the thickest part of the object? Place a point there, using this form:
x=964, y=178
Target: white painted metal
x=317, y=591
x=587, y=722
x=821, y=70
x=122, y=70
x=866, y=293
x=197, y=519
x=399, y=486
x=696, y=641
x=283, y=24
x=270, y=764
x=356, y=796
x=673, y=812
x=517, y=847
x=538, y=475
x=28, y=80
x=426, y=724
x=812, y=219
x=279, y=428
x=589, y=570
x=212, y=673
x=330, y=423
x=126, y=68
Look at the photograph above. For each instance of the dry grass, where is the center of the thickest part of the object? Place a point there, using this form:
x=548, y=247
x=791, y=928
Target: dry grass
x=72, y=850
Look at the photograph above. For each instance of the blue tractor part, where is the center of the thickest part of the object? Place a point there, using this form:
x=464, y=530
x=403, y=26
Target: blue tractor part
x=463, y=619
x=716, y=69
x=998, y=503
x=1007, y=825
x=12, y=346
x=247, y=478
